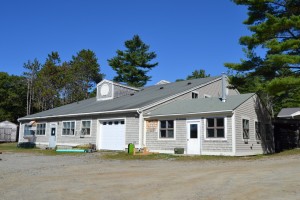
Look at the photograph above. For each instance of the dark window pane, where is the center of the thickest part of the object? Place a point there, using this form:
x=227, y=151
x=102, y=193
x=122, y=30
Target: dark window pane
x=193, y=131
x=210, y=122
x=163, y=133
x=170, y=124
x=210, y=133
x=109, y=123
x=122, y=122
x=163, y=124
x=116, y=122
x=104, y=123
x=220, y=133
x=220, y=122
x=170, y=134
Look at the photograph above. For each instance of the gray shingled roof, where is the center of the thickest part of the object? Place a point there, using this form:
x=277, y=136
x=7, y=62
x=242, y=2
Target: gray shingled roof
x=288, y=112
x=144, y=97
x=198, y=106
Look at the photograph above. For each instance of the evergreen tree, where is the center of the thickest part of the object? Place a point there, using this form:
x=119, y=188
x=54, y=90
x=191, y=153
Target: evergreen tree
x=198, y=74
x=275, y=28
x=132, y=64
x=84, y=74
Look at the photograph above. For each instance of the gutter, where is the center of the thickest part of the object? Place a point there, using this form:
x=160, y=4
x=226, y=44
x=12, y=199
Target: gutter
x=198, y=113
x=77, y=114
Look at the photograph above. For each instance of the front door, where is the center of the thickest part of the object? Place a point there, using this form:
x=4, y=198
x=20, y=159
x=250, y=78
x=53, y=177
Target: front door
x=193, y=138
x=52, y=138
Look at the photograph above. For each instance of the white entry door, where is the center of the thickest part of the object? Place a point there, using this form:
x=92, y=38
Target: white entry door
x=112, y=134
x=193, y=138
x=52, y=138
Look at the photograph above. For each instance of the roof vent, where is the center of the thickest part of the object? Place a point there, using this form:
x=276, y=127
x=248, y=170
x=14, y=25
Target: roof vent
x=161, y=88
x=131, y=94
x=189, y=83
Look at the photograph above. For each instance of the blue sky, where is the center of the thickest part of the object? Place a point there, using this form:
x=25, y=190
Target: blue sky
x=185, y=34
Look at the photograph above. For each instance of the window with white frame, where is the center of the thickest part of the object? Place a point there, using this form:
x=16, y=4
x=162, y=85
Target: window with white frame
x=215, y=128
x=86, y=127
x=28, y=130
x=245, y=128
x=41, y=129
x=258, y=130
x=68, y=128
x=195, y=95
x=166, y=129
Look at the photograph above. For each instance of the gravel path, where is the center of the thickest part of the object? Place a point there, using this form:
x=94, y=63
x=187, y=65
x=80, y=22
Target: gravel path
x=87, y=176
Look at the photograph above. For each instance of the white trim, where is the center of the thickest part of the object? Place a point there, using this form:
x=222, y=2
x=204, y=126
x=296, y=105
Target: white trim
x=45, y=129
x=233, y=133
x=218, y=153
x=77, y=114
x=246, y=118
x=295, y=114
x=179, y=94
x=141, y=127
x=225, y=129
x=62, y=127
x=80, y=127
x=210, y=112
x=206, y=96
x=174, y=128
x=164, y=151
x=118, y=84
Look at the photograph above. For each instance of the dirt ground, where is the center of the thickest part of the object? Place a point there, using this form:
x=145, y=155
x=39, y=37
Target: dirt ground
x=31, y=176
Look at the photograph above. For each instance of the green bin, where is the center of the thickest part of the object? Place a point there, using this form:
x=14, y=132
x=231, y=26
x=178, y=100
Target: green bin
x=179, y=150
x=131, y=148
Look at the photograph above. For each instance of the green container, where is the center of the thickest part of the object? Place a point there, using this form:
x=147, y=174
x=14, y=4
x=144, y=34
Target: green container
x=179, y=150
x=131, y=148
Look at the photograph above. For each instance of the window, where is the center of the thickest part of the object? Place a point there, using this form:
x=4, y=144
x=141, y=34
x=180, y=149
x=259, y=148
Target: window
x=215, y=128
x=166, y=129
x=28, y=130
x=268, y=130
x=41, y=129
x=68, y=128
x=246, y=129
x=194, y=95
x=86, y=127
x=258, y=130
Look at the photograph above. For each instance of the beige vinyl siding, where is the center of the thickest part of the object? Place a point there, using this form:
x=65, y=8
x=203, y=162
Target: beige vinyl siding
x=253, y=110
x=155, y=144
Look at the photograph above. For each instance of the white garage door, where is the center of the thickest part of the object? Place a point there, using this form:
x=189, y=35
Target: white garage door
x=112, y=135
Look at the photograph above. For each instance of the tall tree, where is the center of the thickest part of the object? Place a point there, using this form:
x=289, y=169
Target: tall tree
x=197, y=74
x=49, y=83
x=13, y=97
x=132, y=64
x=32, y=69
x=84, y=74
x=275, y=28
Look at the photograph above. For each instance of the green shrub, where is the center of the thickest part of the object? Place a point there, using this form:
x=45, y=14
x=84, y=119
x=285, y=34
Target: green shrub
x=26, y=145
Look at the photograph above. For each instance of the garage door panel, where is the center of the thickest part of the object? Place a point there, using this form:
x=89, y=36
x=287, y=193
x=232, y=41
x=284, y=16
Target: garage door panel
x=112, y=135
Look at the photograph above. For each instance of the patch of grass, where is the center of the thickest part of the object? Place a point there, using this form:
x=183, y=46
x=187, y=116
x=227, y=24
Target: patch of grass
x=289, y=152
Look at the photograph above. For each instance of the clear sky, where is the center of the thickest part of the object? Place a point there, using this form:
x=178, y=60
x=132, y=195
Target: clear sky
x=185, y=34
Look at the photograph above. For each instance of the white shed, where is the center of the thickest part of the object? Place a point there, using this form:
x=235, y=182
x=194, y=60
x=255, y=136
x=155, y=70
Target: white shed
x=8, y=131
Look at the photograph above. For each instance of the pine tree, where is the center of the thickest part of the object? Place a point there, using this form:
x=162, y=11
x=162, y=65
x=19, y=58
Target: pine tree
x=132, y=64
x=275, y=27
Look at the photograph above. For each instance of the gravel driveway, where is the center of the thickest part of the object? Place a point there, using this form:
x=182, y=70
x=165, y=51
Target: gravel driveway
x=31, y=176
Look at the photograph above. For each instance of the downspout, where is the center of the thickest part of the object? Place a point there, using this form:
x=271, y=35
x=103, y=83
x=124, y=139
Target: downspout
x=141, y=128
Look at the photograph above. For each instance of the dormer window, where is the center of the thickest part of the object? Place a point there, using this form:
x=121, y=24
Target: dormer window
x=195, y=95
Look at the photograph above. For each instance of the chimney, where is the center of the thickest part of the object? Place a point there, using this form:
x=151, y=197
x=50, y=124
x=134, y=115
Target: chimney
x=223, y=87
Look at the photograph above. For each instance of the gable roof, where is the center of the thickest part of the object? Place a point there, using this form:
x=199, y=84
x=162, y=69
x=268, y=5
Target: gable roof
x=288, y=112
x=137, y=101
x=200, y=106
